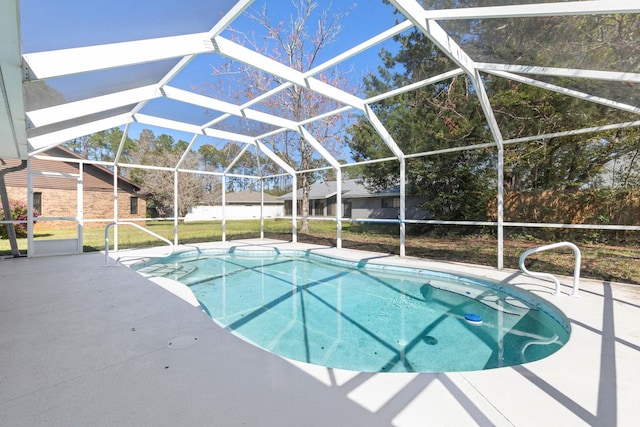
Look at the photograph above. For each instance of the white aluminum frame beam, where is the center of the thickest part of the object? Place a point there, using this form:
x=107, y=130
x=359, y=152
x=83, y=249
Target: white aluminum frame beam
x=261, y=194
x=221, y=134
x=487, y=108
x=233, y=13
x=259, y=116
x=450, y=150
x=616, y=76
x=226, y=107
x=221, y=25
x=168, y=123
x=123, y=140
x=192, y=129
x=13, y=134
x=254, y=59
x=63, y=62
x=166, y=79
x=325, y=115
x=271, y=133
x=569, y=92
x=236, y=159
x=417, y=85
x=146, y=167
x=287, y=168
x=186, y=151
x=55, y=114
x=382, y=131
x=336, y=165
x=532, y=10
x=573, y=132
x=319, y=148
x=240, y=175
x=416, y=14
x=395, y=30
x=72, y=110
x=326, y=65
x=200, y=172
x=201, y=100
x=57, y=137
x=430, y=28
x=275, y=158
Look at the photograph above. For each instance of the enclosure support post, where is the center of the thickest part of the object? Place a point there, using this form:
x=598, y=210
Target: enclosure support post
x=500, y=207
x=6, y=207
x=224, y=216
x=340, y=208
x=294, y=210
x=30, y=230
x=175, y=207
x=116, y=159
x=401, y=215
x=80, y=210
x=261, y=208
x=115, y=207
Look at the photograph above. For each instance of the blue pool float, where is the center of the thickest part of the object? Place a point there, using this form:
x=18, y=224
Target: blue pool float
x=473, y=319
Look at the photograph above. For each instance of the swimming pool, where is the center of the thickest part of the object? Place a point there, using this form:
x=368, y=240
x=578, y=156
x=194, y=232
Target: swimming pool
x=349, y=315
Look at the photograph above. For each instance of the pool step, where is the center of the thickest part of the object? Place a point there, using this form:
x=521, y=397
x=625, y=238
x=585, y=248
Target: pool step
x=172, y=271
x=508, y=305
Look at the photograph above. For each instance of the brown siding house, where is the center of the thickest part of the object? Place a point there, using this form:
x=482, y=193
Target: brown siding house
x=57, y=197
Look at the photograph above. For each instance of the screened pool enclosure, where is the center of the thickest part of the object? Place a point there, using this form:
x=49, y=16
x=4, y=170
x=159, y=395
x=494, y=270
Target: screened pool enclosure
x=213, y=74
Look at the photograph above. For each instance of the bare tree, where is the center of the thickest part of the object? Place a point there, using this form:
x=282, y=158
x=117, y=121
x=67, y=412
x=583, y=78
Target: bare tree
x=297, y=43
x=158, y=184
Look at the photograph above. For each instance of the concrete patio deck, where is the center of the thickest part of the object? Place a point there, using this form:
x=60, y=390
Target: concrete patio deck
x=82, y=344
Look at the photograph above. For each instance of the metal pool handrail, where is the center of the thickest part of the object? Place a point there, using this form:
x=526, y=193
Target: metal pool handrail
x=139, y=227
x=576, y=269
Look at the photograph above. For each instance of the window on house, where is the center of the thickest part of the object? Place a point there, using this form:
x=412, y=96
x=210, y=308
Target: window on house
x=331, y=206
x=134, y=205
x=346, y=210
x=391, y=202
x=37, y=202
x=316, y=207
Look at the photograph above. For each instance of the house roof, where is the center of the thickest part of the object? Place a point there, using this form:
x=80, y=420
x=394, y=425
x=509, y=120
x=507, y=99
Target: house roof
x=69, y=153
x=250, y=197
x=351, y=188
x=99, y=178
x=624, y=162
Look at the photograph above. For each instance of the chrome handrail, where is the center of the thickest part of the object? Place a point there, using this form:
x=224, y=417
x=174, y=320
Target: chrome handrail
x=576, y=268
x=139, y=227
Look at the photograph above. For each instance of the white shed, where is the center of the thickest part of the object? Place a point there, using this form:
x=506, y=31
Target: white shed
x=241, y=205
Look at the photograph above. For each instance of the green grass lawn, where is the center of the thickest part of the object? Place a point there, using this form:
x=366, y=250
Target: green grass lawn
x=192, y=232
x=599, y=261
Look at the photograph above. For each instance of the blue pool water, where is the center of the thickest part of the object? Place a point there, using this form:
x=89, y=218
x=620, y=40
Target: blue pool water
x=375, y=319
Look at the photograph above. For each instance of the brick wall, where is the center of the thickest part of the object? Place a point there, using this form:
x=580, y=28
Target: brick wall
x=97, y=205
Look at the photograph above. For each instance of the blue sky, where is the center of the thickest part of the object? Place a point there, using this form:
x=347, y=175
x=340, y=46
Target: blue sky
x=50, y=25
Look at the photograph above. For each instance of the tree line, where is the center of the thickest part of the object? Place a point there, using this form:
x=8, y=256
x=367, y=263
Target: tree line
x=462, y=185
x=197, y=188
x=459, y=185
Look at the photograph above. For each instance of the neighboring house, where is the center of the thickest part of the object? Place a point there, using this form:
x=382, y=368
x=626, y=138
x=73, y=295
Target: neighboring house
x=357, y=201
x=240, y=205
x=55, y=196
x=623, y=171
